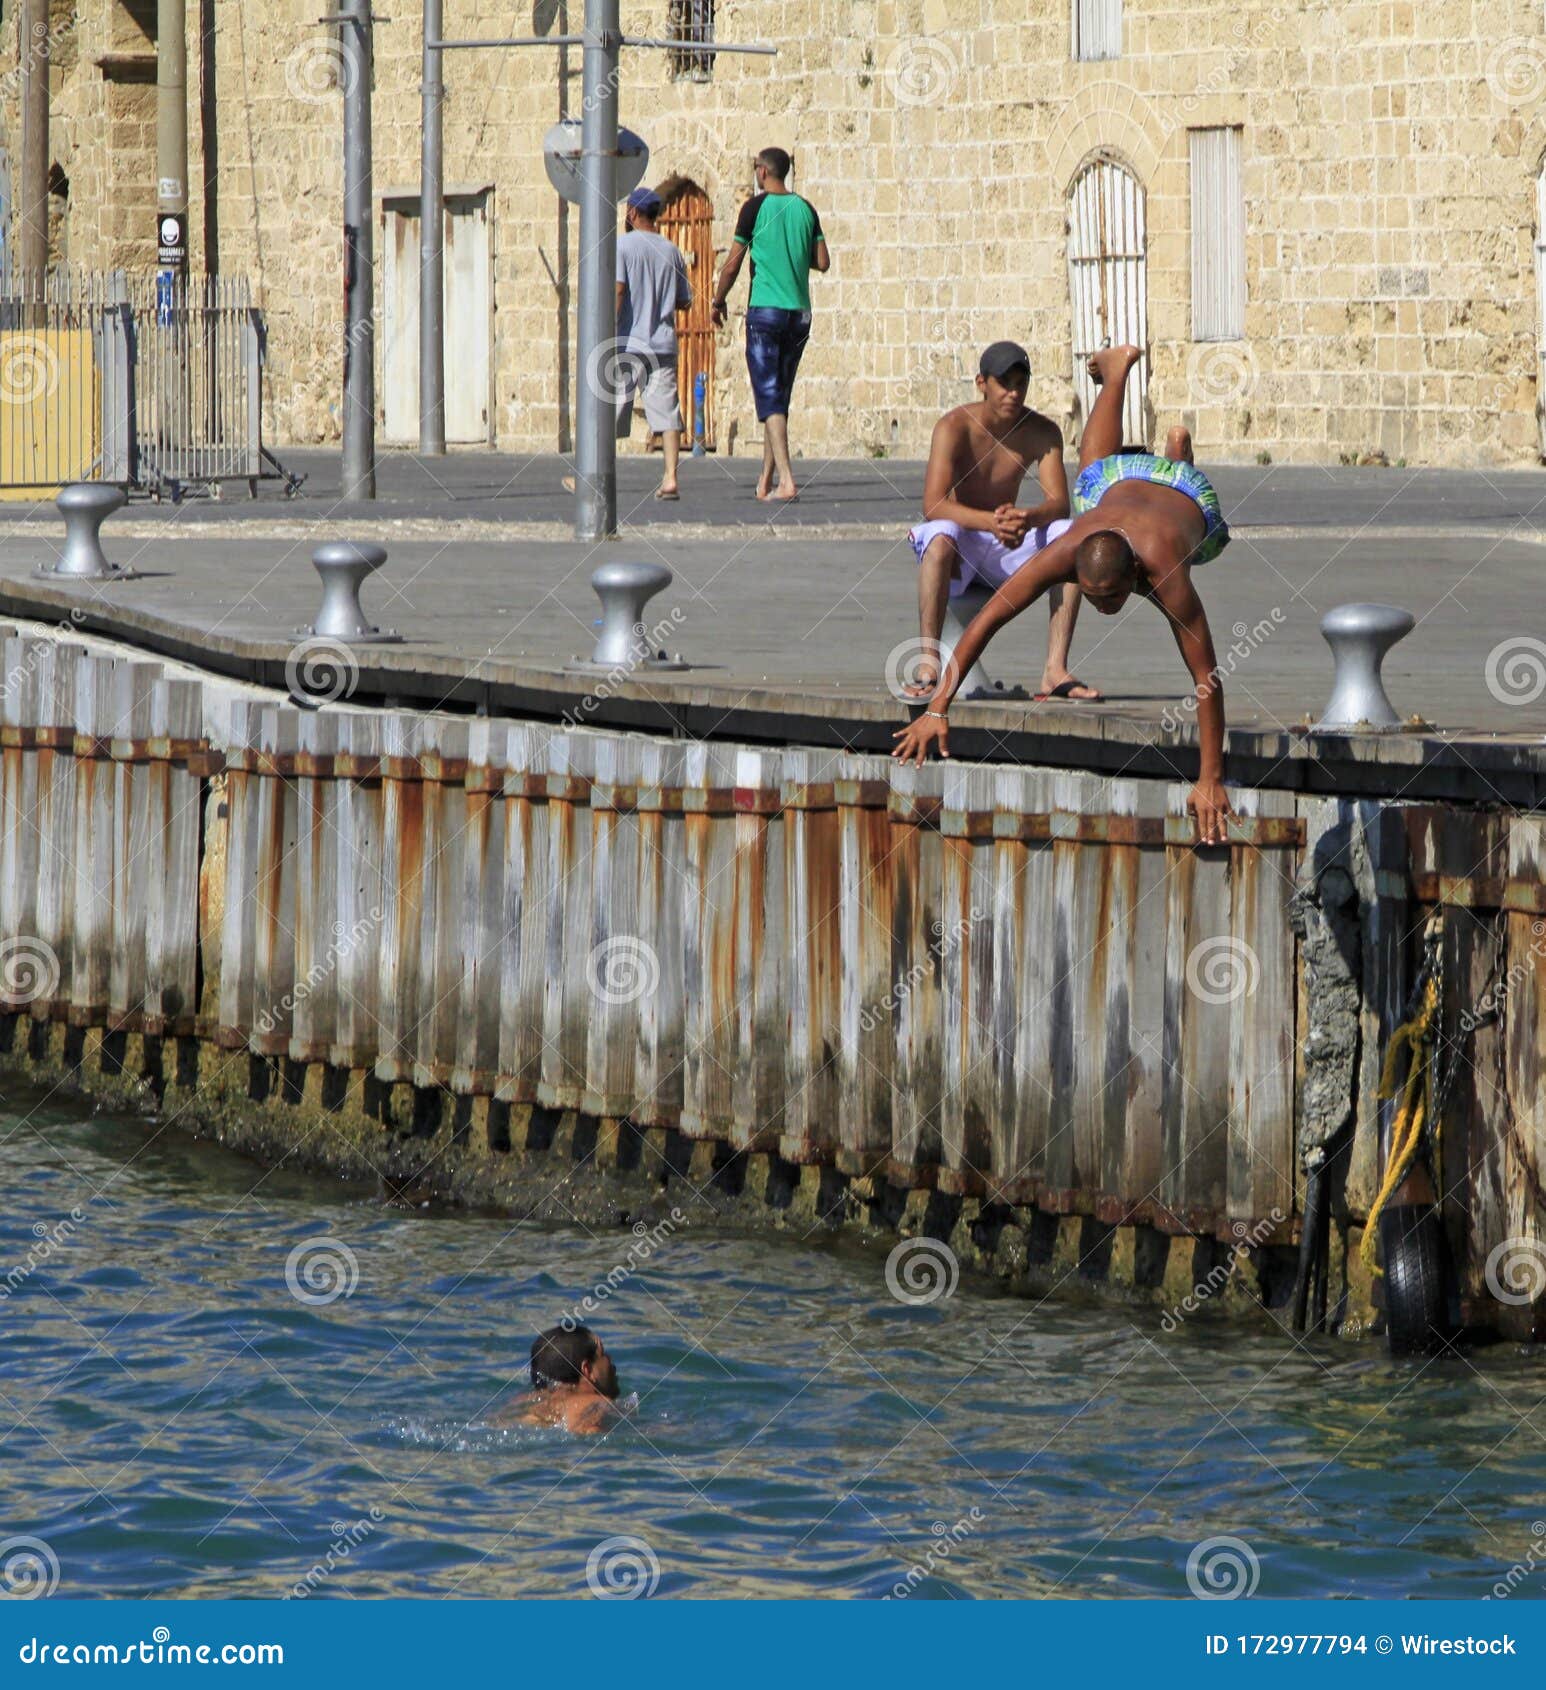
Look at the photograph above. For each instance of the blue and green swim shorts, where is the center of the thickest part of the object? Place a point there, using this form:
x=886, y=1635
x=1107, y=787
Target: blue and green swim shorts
x=1098, y=478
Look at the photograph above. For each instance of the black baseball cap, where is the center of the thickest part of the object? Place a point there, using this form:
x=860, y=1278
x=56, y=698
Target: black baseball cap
x=1002, y=357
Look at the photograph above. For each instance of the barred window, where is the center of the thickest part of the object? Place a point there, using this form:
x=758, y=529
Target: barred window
x=692, y=23
x=1097, y=29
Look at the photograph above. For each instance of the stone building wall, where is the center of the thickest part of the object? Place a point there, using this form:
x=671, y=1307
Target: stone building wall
x=1391, y=153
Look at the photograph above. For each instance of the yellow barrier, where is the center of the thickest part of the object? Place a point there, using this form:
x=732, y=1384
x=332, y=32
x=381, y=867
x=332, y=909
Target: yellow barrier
x=50, y=411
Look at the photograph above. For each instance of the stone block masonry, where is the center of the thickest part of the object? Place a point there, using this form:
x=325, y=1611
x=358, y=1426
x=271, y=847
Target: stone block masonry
x=1390, y=155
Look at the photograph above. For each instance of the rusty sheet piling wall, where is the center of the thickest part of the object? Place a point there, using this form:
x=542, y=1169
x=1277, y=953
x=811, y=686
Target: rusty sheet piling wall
x=1014, y=985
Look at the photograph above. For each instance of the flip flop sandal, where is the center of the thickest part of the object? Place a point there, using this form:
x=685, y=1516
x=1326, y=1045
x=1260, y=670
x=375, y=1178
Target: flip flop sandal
x=1063, y=693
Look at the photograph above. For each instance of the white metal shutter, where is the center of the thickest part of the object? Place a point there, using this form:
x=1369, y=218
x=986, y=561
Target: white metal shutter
x=1218, y=236
x=1108, y=281
x=1097, y=29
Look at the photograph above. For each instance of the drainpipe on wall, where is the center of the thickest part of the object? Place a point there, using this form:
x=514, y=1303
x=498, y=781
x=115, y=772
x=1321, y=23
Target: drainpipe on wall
x=32, y=188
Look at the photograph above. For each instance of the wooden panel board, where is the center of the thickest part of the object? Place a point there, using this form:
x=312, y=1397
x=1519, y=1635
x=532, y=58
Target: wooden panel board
x=239, y=923
x=318, y=931
x=812, y=1096
x=965, y=947
x=1140, y=895
x=357, y=853
x=479, y=924
x=866, y=893
x=133, y=863
x=624, y=966
x=524, y=911
x=570, y=994
x=274, y=887
x=172, y=913
x=400, y=989
x=658, y=1052
x=1261, y=1168
x=916, y=985
x=1521, y=994
x=758, y=1101
x=712, y=1021
x=92, y=858
x=442, y=756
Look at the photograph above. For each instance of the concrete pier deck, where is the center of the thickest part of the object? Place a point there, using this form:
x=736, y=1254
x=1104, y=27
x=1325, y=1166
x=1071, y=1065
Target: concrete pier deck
x=791, y=619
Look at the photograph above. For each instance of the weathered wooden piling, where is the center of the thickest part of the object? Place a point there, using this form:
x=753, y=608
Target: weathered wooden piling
x=1019, y=990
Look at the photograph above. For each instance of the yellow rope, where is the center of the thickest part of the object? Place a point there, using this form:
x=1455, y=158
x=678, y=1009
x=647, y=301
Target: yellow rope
x=1406, y=1132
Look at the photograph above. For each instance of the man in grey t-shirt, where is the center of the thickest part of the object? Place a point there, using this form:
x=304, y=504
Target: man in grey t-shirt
x=652, y=287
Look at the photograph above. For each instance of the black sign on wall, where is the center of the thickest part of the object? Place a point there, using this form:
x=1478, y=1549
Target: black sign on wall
x=172, y=238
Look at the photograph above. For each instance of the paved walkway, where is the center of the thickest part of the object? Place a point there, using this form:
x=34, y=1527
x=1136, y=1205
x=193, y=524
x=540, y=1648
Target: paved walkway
x=470, y=486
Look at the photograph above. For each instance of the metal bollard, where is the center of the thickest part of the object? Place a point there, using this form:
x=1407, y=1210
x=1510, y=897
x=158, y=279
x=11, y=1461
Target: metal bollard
x=1359, y=636
x=624, y=589
x=700, y=389
x=85, y=506
x=959, y=612
x=343, y=566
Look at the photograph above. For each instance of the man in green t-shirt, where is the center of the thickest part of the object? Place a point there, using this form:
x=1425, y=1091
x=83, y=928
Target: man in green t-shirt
x=783, y=234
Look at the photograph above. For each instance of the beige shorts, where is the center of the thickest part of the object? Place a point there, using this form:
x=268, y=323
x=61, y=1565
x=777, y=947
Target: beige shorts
x=653, y=379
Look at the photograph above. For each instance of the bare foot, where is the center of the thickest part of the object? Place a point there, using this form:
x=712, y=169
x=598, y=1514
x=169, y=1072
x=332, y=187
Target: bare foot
x=568, y=483
x=764, y=485
x=1178, y=445
x=1111, y=363
x=784, y=495
x=668, y=490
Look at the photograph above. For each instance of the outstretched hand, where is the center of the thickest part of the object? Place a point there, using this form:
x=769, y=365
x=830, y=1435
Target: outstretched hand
x=919, y=734
x=1209, y=803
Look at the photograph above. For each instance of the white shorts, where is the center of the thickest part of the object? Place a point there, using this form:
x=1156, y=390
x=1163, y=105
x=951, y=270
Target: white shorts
x=653, y=377
x=983, y=557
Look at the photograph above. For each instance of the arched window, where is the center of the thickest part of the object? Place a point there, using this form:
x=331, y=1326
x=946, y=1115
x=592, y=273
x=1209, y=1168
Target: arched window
x=1108, y=280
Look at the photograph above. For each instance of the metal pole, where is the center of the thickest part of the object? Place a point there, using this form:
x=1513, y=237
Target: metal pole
x=596, y=441
x=359, y=419
x=32, y=192
x=172, y=110
x=432, y=350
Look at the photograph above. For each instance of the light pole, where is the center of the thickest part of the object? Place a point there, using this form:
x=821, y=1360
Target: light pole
x=359, y=418
x=432, y=252
x=595, y=456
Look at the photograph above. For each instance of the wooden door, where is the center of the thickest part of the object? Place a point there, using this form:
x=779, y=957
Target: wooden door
x=688, y=219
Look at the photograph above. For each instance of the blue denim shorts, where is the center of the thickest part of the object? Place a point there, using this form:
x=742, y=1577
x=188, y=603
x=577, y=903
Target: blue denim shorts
x=775, y=342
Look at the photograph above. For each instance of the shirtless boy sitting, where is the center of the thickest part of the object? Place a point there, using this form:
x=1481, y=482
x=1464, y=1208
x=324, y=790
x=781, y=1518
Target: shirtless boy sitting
x=1143, y=524
x=973, y=527
x=573, y=1384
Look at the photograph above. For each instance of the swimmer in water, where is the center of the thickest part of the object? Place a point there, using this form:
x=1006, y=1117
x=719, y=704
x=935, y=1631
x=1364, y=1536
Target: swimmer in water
x=573, y=1384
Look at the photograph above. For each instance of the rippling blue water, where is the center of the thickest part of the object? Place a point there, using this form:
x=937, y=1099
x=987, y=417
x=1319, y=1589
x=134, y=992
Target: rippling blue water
x=175, y=1421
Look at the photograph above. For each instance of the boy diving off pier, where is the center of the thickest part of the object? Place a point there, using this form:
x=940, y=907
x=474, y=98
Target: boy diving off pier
x=1141, y=524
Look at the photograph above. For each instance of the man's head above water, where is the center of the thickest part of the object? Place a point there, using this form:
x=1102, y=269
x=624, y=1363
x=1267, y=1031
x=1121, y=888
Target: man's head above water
x=1107, y=570
x=570, y=1356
